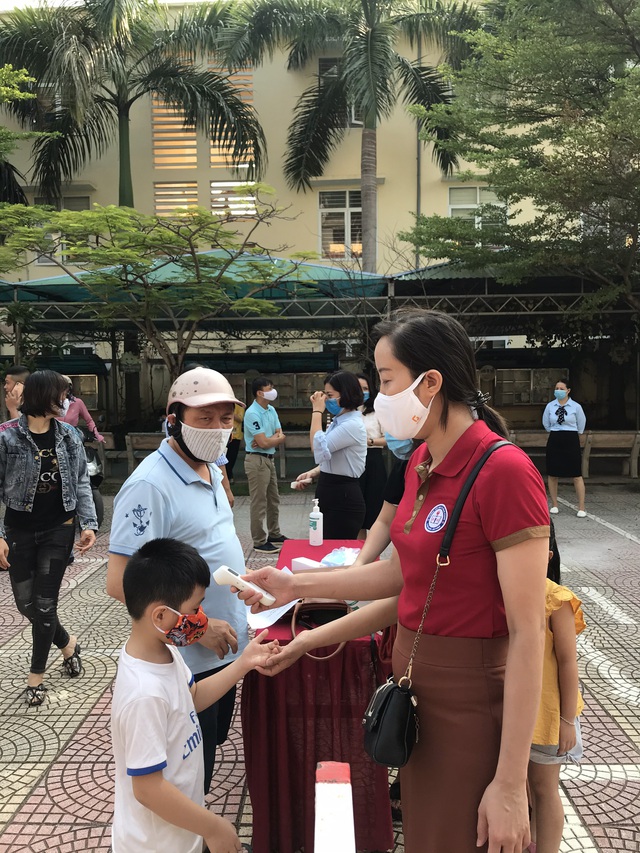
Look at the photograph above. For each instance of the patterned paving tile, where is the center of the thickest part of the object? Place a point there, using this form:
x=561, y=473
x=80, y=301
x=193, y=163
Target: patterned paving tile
x=56, y=762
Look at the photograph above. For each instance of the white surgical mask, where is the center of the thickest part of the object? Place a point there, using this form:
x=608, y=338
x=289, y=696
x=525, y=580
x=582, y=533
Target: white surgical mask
x=402, y=415
x=206, y=445
x=270, y=395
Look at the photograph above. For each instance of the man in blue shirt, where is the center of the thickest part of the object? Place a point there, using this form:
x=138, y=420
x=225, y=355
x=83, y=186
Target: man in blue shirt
x=262, y=435
x=177, y=493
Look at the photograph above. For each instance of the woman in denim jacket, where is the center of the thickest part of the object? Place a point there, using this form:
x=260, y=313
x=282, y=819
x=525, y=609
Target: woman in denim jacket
x=44, y=486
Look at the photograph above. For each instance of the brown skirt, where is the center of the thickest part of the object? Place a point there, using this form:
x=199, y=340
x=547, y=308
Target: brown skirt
x=459, y=684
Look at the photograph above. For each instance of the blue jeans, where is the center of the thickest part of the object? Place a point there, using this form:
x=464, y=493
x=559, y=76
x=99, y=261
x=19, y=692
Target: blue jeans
x=38, y=560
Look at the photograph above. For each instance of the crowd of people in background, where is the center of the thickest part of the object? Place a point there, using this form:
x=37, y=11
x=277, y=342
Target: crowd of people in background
x=483, y=650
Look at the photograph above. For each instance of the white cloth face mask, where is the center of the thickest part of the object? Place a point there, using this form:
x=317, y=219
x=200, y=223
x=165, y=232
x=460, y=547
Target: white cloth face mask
x=402, y=415
x=270, y=395
x=205, y=444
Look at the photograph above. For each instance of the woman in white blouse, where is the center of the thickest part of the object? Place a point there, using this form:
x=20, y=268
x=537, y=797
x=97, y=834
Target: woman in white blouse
x=565, y=421
x=340, y=453
x=374, y=479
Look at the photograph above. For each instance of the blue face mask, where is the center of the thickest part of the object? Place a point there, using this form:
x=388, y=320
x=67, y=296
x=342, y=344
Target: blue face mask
x=332, y=406
x=560, y=393
x=365, y=395
x=402, y=448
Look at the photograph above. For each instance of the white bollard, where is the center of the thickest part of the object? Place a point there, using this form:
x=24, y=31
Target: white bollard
x=334, y=830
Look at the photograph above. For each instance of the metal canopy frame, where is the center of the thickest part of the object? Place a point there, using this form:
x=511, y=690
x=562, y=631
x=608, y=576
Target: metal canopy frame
x=467, y=298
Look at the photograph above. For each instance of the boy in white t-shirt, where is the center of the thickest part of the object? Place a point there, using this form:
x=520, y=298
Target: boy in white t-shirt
x=157, y=742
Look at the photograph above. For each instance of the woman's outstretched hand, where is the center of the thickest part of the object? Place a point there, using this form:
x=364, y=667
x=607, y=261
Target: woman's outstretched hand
x=279, y=584
x=285, y=656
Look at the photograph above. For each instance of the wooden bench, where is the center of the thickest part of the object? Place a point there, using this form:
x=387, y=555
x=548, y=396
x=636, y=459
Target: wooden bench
x=533, y=441
x=140, y=445
x=297, y=444
x=107, y=453
x=603, y=444
x=616, y=444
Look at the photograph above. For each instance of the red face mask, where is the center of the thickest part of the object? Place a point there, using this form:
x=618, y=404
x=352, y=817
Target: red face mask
x=189, y=627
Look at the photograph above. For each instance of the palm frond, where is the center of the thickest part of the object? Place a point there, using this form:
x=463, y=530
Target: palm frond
x=114, y=19
x=58, y=47
x=368, y=68
x=424, y=86
x=260, y=27
x=318, y=126
x=209, y=102
x=11, y=191
x=58, y=158
x=440, y=22
x=197, y=29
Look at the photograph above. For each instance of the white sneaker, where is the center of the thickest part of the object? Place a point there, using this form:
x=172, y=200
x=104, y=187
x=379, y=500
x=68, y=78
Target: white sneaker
x=554, y=510
x=581, y=513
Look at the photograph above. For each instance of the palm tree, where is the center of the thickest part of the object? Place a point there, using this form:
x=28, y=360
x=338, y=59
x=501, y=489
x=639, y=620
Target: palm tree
x=370, y=78
x=93, y=61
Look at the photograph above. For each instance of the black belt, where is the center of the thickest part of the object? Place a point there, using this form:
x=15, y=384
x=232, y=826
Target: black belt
x=255, y=453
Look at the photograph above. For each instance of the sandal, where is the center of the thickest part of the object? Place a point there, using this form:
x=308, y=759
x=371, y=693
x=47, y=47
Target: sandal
x=73, y=664
x=35, y=696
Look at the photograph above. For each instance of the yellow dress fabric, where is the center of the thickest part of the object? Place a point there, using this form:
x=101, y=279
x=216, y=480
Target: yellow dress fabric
x=547, y=728
x=238, y=416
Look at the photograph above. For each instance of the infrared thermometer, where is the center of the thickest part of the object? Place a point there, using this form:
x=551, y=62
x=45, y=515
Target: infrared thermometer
x=224, y=576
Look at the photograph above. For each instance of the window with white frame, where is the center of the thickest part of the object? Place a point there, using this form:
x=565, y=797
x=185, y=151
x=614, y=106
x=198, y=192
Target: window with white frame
x=231, y=198
x=328, y=67
x=341, y=224
x=67, y=202
x=464, y=203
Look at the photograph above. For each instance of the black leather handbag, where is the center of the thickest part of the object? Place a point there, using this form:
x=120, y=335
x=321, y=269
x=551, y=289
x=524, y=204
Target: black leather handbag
x=391, y=726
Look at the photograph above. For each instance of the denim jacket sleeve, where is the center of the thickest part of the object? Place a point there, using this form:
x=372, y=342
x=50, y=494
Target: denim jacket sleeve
x=85, y=507
x=3, y=467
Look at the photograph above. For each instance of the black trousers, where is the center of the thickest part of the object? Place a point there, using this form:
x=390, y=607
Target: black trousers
x=342, y=506
x=215, y=722
x=232, y=454
x=38, y=560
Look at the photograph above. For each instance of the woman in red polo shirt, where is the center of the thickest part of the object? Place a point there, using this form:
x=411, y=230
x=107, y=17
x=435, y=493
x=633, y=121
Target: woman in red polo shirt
x=477, y=672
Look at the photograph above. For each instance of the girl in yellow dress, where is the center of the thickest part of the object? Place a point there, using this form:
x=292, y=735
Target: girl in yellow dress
x=556, y=737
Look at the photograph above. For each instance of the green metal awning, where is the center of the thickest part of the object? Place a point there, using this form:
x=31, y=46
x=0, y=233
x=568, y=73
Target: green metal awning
x=71, y=365
x=244, y=273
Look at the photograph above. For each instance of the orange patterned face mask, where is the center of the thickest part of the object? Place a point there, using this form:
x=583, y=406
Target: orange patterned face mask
x=189, y=627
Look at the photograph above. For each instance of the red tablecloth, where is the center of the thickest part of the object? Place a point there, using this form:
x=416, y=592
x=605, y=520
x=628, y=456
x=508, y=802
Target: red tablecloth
x=311, y=712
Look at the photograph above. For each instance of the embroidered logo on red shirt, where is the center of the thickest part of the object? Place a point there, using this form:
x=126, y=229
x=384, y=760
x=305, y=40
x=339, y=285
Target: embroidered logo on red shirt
x=436, y=519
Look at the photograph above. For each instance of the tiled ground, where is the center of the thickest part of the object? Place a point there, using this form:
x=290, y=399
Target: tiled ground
x=55, y=761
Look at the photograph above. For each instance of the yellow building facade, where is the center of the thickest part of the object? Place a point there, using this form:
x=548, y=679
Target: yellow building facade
x=174, y=167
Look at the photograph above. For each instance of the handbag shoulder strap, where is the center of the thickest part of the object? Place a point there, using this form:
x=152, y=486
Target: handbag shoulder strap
x=445, y=548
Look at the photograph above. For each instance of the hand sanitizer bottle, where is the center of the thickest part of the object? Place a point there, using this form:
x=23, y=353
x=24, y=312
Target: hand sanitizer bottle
x=315, y=524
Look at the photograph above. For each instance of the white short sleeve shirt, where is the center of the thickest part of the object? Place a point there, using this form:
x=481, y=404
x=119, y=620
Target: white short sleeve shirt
x=154, y=726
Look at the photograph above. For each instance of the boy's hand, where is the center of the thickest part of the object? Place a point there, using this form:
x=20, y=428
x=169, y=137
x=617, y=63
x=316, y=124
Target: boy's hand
x=286, y=656
x=224, y=839
x=257, y=653
x=279, y=584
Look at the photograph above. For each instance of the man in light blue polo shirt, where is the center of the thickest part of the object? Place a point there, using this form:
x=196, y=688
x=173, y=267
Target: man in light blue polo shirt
x=262, y=435
x=177, y=493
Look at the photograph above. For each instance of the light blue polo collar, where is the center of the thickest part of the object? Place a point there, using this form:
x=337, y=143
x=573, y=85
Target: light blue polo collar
x=183, y=471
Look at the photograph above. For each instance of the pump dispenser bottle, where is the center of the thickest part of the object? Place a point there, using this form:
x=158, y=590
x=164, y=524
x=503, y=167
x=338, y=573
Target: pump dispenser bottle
x=315, y=524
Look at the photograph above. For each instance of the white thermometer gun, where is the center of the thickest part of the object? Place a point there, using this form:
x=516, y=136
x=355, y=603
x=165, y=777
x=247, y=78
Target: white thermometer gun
x=224, y=576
